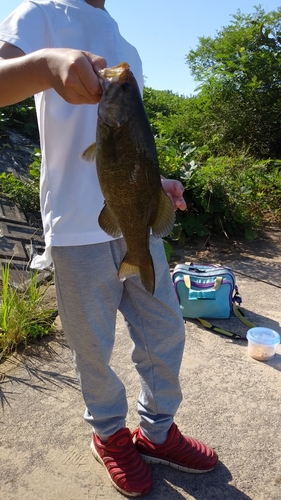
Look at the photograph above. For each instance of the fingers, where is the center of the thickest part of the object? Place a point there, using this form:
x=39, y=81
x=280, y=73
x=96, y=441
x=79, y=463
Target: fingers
x=72, y=73
x=98, y=63
x=179, y=203
x=87, y=72
x=82, y=84
x=174, y=189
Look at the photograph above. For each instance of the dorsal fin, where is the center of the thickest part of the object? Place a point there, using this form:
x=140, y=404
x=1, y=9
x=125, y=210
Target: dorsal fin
x=90, y=153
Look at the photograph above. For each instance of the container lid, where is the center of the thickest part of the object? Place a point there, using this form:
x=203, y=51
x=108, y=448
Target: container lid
x=265, y=336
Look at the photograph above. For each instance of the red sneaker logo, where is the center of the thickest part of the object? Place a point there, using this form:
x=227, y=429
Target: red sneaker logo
x=122, y=442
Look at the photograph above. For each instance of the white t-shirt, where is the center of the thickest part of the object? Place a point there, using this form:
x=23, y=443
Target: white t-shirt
x=71, y=199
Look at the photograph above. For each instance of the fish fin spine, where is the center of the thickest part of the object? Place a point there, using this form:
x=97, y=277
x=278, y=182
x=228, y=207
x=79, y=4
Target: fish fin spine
x=108, y=222
x=90, y=153
x=165, y=217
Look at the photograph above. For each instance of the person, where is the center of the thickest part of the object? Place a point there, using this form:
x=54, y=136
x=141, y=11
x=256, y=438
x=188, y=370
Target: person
x=52, y=49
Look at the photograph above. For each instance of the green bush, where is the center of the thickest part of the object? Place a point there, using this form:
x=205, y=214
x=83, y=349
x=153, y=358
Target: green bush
x=20, y=117
x=231, y=195
x=24, y=193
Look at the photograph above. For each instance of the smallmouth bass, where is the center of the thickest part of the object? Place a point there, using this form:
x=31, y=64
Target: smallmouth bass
x=128, y=173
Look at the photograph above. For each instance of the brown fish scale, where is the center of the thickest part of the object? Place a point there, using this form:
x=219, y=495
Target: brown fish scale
x=130, y=182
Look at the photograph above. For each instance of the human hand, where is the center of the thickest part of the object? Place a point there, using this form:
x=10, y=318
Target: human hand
x=174, y=189
x=72, y=73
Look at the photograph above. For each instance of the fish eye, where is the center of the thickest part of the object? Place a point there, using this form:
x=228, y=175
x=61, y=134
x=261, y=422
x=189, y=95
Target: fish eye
x=125, y=86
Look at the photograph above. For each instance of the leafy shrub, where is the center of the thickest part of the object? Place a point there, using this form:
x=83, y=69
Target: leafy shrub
x=24, y=193
x=231, y=195
x=20, y=117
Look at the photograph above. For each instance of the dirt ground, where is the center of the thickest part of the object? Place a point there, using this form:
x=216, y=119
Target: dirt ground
x=230, y=401
x=221, y=249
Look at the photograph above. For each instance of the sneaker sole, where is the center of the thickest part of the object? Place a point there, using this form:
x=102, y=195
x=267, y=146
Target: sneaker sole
x=99, y=459
x=154, y=460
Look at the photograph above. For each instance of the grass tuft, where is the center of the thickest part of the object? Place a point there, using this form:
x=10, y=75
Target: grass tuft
x=24, y=314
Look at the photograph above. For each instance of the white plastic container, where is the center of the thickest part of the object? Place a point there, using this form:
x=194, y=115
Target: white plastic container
x=262, y=343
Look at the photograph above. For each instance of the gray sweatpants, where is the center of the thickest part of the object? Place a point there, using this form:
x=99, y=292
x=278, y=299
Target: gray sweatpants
x=89, y=293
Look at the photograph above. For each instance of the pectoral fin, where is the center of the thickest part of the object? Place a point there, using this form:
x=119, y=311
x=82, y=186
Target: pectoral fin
x=90, y=153
x=109, y=223
x=165, y=218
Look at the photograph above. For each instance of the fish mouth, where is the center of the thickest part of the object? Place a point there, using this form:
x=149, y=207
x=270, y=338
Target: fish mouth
x=112, y=74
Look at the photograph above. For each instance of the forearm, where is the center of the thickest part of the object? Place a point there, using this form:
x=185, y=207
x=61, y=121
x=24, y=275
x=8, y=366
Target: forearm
x=22, y=77
x=71, y=73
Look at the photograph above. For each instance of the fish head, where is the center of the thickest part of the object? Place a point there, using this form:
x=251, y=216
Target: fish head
x=119, y=85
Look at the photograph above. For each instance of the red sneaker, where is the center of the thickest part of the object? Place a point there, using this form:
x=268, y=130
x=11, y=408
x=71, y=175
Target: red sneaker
x=126, y=469
x=181, y=452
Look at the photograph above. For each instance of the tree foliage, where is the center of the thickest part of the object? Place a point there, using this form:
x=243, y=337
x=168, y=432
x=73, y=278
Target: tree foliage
x=169, y=116
x=20, y=117
x=239, y=71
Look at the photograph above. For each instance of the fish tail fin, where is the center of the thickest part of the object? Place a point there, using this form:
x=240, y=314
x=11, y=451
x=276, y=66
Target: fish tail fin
x=145, y=269
x=147, y=274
